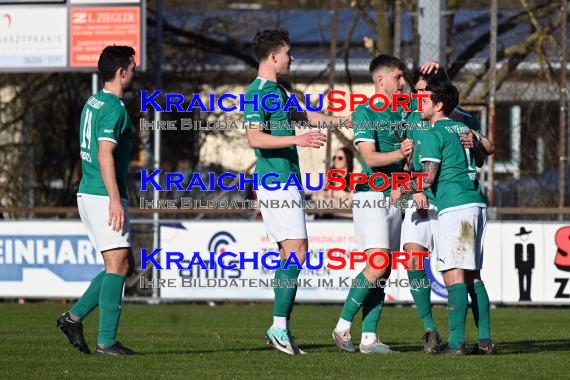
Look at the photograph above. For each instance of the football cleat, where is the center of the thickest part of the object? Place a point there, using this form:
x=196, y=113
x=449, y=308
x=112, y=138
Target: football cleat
x=489, y=349
x=116, y=349
x=375, y=348
x=343, y=340
x=280, y=340
x=74, y=332
x=269, y=342
x=431, y=341
x=447, y=350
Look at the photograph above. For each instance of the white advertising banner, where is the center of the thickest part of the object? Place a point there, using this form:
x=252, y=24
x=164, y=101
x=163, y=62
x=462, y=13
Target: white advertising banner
x=33, y=38
x=46, y=260
x=523, y=263
x=523, y=254
x=322, y=285
x=556, y=263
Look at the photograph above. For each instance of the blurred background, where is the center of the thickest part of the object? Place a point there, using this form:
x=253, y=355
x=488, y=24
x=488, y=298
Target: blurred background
x=206, y=48
x=508, y=58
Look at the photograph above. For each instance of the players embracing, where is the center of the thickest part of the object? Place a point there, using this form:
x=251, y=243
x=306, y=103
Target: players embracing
x=383, y=150
x=419, y=228
x=449, y=156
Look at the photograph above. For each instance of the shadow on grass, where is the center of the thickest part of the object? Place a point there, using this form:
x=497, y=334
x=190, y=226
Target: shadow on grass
x=314, y=347
x=530, y=346
x=504, y=348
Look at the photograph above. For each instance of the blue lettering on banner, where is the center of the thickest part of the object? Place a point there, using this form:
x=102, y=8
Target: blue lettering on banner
x=70, y=257
x=435, y=278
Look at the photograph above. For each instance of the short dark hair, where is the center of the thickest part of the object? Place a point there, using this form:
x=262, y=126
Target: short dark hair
x=267, y=41
x=385, y=60
x=113, y=58
x=439, y=76
x=446, y=93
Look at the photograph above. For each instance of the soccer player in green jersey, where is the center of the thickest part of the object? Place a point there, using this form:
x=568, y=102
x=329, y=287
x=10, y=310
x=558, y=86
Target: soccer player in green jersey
x=276, y=152
x=377, y=229
x=419, y=227
x=105, y=138
x=462, y=215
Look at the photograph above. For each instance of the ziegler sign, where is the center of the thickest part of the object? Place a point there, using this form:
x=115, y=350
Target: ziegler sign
x=68, y=37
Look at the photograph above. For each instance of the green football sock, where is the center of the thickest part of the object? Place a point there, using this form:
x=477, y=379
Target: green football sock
x=90, y=299
x=372, y=309
x=285, y=296
x=110, y=308
x=292, y=303
x=355, y=299
x=456, y=313
x=422, y=297
x=480, y=309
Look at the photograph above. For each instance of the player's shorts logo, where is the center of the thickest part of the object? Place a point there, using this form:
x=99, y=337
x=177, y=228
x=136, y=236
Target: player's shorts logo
x=220, y=241
x=435, y=278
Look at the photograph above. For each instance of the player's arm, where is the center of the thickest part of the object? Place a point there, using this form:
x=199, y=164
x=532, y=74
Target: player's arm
x=432, y=156
x=107, y=166
x=257, y=138
x=429, y=167
x=486, y=145
x=480, y=145
x=376, y=159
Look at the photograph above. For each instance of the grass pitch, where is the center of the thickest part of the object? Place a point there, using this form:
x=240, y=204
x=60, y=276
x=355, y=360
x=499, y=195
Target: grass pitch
x=226, y=341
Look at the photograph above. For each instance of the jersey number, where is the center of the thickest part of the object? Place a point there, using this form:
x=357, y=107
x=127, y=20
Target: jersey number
x=86, y=143
x=472, y=172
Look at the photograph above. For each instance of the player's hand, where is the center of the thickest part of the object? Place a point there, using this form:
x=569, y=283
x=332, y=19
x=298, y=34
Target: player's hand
x=429, y=66
x=407, y=147
x=421, y=199
x=395, y=195
x=468, y=140
x=116, y=215
x=314, y=139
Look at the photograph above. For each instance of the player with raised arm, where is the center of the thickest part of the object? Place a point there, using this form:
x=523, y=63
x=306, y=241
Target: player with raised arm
x=276, y=152
x=420, y=225
x=377, y=229
x=462, y=215
x=105, y=138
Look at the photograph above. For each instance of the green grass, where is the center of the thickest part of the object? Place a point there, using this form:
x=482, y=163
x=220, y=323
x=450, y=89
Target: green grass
x=226, y=341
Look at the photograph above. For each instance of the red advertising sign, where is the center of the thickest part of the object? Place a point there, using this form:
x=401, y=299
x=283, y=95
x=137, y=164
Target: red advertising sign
x=94, y=28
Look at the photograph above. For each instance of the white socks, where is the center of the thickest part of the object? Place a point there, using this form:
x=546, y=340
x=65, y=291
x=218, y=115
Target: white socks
x=368, y=338
x=343, y=324
x=280, y=322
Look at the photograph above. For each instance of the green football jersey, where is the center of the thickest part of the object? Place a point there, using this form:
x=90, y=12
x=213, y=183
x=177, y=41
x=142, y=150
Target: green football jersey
x=456, y=186
x=104, y=117
x=417, y=130
x=374, y=127
x=283, y=161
